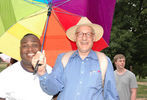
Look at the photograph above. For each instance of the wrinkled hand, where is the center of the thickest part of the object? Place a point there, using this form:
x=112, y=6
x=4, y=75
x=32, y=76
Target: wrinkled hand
x=42, y=62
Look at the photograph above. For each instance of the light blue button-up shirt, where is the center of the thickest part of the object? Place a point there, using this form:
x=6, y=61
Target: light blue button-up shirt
x=80, y=79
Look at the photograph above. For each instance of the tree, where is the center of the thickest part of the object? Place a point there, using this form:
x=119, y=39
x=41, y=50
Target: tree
x=128, y=35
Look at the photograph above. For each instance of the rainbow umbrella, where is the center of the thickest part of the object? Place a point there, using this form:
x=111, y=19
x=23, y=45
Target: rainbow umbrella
x=65, y=13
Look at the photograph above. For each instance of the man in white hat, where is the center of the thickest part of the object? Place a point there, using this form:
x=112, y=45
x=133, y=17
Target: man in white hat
x=77, y=75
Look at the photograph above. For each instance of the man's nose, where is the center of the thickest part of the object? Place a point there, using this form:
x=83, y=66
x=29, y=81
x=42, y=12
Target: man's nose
x=30, y=48
x=84, y=37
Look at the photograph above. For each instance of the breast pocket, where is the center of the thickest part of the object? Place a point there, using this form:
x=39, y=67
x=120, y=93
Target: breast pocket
x=94, y=78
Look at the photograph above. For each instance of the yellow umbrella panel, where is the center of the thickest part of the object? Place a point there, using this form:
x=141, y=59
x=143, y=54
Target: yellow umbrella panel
x=10, y=40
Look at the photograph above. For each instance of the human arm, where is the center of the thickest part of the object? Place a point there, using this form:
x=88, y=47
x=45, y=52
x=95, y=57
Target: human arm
x=52, y=83
x=2, y=99
x=1, y=87
x=133, y=93
x=4, y=83
x=133, y=85
x=110, y=92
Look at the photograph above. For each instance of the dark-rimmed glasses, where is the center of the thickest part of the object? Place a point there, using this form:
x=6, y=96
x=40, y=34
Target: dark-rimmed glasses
x=81, y=34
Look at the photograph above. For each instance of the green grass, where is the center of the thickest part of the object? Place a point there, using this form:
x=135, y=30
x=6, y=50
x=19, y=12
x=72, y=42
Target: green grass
x=142, y=91
x=3, y=65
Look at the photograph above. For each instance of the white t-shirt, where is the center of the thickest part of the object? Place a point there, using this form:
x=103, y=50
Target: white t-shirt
x=18, y=84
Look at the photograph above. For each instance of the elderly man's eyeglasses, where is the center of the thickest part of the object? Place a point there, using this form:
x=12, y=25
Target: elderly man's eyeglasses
x=81, y=34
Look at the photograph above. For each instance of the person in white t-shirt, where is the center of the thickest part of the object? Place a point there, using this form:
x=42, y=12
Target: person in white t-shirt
x=17, y=82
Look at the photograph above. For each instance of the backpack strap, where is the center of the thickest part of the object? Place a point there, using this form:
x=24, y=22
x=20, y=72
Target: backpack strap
x=103, y=64
x=66, y=57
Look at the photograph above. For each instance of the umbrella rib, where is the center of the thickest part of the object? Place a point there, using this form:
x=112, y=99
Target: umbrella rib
x=35, y=14
x=35, y=3
x=65, y=12
x=57, y=19
x=62, y=3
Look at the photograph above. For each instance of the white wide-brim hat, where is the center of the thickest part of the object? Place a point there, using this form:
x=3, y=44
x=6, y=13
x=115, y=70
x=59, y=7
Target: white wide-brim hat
x=98, y=30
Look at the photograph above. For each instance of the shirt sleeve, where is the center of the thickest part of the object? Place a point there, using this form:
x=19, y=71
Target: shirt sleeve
x=53, y=83
x=133, y=82
x=110, y=92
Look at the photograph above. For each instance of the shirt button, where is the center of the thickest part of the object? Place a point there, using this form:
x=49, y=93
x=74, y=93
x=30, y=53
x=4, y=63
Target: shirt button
x=82, y=62
x=81, y=82
x=78, y=93
x=82, y=72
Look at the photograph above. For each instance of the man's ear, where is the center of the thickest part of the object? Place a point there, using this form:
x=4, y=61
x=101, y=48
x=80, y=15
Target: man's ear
x=74, y=38
x=94, y=38
x=114, y=62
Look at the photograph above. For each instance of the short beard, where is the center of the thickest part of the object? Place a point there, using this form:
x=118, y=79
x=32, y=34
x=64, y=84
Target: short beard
x=26, y=63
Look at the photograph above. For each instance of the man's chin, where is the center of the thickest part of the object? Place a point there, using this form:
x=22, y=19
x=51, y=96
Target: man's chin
x=84, y=50
x=28, y=62
x=121, y=68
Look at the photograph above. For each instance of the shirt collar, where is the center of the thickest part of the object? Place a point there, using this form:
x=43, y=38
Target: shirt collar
x=76, y=53
x=24, y=67
x=92, y=54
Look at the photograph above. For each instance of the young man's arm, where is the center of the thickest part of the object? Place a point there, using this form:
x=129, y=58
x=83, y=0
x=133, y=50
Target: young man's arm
x=133, y=93
x=133, y=86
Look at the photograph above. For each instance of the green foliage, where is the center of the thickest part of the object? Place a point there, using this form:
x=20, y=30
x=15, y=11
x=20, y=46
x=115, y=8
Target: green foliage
x=141, y=91
x=141, y=79
x=142, y=87
x=129, y=33
x=3, y=65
